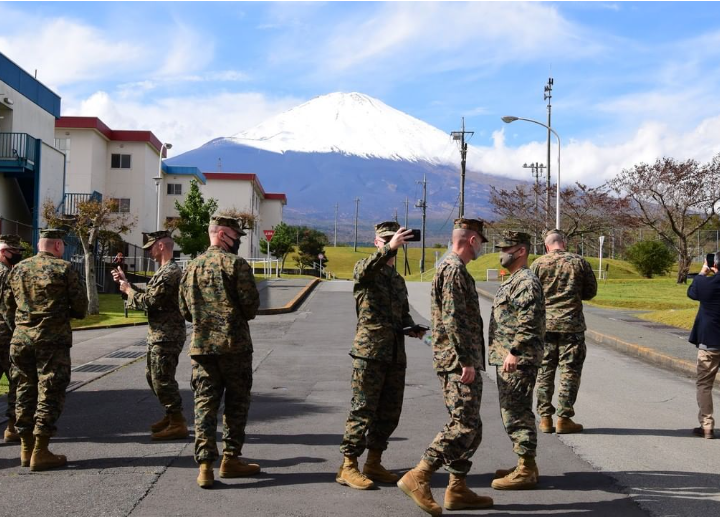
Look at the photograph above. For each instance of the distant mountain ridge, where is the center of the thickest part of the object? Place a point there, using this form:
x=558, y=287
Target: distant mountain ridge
x=342, y=146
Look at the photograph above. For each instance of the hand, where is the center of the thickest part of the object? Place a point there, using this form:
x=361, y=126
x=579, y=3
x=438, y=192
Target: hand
x=400, y=238
x=125, y=286
x=468, y=374
x=419, y=334
x=510, y=363
x=119, y=275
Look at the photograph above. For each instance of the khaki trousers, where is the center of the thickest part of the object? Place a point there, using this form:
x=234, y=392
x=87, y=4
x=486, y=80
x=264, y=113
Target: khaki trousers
x=707, y=368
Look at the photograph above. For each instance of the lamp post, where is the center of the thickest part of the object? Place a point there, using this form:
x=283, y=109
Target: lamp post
x=508, y=120
x=158, y=179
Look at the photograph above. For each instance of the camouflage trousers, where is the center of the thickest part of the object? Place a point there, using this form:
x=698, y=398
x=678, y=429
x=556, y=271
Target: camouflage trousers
x=461, y=436
x=515, y=391
x=567, y=351
x=162, y=361
x=212, y=377
x=377, y=398
x=41, y=375
x=5, y=368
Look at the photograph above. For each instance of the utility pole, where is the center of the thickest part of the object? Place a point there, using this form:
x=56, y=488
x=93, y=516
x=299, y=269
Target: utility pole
x=422, y=204
x=357, y=208
x=548, y=97
x=535, y=170
x=335, y=238
x=407, y=261
x=460, y=136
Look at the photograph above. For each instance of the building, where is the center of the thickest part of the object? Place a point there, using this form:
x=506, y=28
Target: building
x=122, y=165
x=32, y=170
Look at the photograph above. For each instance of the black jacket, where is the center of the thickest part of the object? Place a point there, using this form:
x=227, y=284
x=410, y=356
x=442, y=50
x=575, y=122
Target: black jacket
x=706, y=329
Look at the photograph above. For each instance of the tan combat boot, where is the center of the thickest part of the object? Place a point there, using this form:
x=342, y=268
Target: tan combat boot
x=459, y=497
x=234, y=467
x=27, y=444
x=11, y=434
x=160, y=424
x=523, y=477
x=546, y=424
x=375, y=471
x=349, y=475
x=42, y=458
x=416, y=485
x=205, y=477
x=501, y=473
x=567, y=426
x=175, y=430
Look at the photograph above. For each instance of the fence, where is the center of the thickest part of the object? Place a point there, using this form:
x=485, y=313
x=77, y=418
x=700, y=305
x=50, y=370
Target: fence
x=25, y=231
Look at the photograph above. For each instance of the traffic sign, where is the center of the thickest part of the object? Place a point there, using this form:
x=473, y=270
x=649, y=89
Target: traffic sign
x=269, y=234
x=321, y=256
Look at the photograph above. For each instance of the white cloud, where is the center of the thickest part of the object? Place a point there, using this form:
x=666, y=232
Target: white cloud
x=187, y=122
x=593, y=164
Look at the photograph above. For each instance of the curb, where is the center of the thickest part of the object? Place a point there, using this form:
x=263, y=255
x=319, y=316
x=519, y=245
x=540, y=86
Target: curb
x=641, y=352
x=293, y=304
x=118, y=326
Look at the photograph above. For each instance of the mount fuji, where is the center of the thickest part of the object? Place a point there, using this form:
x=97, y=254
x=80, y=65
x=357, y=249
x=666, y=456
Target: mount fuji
x=342, y=146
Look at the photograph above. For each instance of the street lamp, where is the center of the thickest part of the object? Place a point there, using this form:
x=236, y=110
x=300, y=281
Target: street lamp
x=508, y=120
x=158, y=179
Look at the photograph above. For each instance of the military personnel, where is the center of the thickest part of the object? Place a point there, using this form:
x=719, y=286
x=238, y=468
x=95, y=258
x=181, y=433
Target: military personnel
x=517, y=329
x=458, y=358
x=166, y=332
x=379, y=362
x=219, y=296
x=10, y=254
x=43, y=293
x=567, y=279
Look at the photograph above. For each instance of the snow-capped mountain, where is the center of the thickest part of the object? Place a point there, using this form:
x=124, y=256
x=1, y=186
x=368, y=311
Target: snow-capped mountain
x=352, y=124
x=341, y=146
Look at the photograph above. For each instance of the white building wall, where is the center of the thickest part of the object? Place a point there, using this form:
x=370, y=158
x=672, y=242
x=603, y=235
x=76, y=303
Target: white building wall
x=88, y=160
x=52, y=167
x=27, y=117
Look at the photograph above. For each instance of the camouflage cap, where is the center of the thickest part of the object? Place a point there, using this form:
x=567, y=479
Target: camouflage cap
x=229, y=222
x=555, y=232
x=150, y=238
x=511, y=238
x=10, y=241
x=475, y=225
x=386, y=229
x=52, y=233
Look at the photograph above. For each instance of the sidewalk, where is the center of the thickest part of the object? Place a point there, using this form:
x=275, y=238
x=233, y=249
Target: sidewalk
x=655, y=343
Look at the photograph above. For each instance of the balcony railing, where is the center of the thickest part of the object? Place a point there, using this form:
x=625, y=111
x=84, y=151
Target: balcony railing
x=19, y=147
x=72, y=199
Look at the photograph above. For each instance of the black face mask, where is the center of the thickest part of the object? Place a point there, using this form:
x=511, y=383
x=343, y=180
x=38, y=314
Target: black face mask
x=235, y=246
x=14, y=258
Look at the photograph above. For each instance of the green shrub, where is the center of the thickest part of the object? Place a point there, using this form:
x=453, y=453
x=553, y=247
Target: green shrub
x=650, y=258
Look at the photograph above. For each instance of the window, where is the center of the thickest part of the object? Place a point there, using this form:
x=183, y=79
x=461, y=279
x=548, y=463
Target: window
x=120, y=161
x=174, y=189
x=123, y=204
x=63, y=145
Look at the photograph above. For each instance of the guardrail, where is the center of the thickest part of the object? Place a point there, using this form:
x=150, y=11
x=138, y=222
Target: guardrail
x=18, y=146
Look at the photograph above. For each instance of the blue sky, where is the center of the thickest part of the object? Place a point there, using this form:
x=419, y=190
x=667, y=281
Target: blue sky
x=633, y=81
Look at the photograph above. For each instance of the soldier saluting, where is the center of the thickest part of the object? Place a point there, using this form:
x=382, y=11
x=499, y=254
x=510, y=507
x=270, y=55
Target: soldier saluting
x=166, y=332
x=517, y=330
x=379, y=362
x=43, y=293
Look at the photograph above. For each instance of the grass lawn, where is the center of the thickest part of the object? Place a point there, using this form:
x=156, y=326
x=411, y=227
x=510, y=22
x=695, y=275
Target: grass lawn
x=3, y=385
x=111, y=313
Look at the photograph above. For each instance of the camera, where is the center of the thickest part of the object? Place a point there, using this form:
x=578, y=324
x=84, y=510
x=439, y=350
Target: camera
x=415, y=237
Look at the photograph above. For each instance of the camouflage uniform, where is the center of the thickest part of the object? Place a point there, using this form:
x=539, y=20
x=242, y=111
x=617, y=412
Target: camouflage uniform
x=379, y=362
x=567, y=280
x=166, y=331
x=5, y=337
x=517, y=326
x=457, y=334
x=219, y=296
x=44, y=293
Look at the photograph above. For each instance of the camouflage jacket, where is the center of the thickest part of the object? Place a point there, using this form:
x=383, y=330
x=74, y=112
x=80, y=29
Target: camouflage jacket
x=381, y=305
x=219, y=296
x=457, y=327
x=518, y=320
x=5, y=326
x=160, y=300
x=43, y=293
x=567, y=279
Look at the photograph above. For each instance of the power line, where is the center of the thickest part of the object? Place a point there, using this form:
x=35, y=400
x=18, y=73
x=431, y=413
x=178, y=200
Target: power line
x=460, y=136
x=450, y=214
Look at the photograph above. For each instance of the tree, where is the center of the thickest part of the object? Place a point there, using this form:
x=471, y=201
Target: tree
x=192, y=221
x=92, y=219
x=312, y=243
x=676, y=199
x=650, y=258
x=282, y=243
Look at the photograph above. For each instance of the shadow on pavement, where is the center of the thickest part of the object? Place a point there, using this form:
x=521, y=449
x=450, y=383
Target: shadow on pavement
x=614, y=431
x=297, y=439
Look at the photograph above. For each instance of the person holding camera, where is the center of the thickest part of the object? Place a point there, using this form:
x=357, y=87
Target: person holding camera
x=705, y=335
x=458, y=359
x=379, y=362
